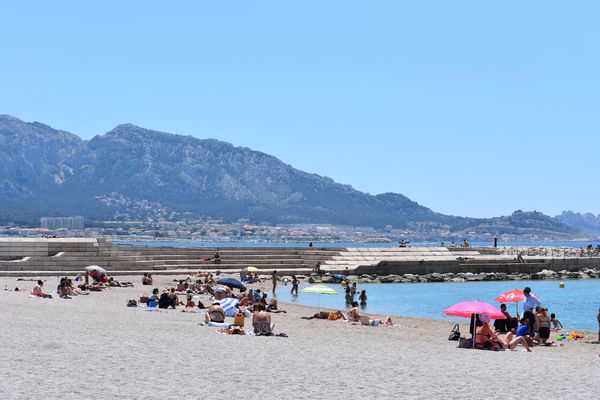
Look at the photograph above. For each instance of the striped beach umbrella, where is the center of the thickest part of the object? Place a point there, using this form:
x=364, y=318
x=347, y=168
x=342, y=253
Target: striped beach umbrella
x=228, y=305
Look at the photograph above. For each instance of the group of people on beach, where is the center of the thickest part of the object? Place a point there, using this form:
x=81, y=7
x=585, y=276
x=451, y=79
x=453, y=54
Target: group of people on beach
x=533, y=328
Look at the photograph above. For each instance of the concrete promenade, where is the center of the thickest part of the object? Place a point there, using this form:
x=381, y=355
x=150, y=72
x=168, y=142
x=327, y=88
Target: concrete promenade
x=52, y=256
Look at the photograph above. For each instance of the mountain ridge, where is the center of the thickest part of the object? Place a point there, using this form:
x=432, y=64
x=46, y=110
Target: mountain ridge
x=48, y=171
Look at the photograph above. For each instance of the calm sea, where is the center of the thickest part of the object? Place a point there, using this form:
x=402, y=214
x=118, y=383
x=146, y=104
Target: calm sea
x=576, y=305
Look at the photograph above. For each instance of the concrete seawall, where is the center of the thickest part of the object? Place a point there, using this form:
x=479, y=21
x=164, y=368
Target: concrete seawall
x=47, y=256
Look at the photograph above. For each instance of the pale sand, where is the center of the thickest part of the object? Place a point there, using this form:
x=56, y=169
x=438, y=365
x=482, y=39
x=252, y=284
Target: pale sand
x=96, y=347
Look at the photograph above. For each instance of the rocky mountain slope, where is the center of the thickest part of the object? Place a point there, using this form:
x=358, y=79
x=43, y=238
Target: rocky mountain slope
x=131, y=172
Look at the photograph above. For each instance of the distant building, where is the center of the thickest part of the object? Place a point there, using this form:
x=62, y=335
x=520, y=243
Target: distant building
x=54, y=223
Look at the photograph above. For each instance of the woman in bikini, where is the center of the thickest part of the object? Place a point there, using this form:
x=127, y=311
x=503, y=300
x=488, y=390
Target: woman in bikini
x=485, y=337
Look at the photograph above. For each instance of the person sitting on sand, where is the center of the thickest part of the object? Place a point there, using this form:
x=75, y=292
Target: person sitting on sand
x=510, y=341
x=62, y=290
x=38, y=290
x=180, y=287
x=261, y=321
x=215, y=313
x=523, y=331
x=485, y=337
x=273, y=307
x=353, y=314
x=190, y=302
x=217, y=258
x=556, y=324
x=147, y=279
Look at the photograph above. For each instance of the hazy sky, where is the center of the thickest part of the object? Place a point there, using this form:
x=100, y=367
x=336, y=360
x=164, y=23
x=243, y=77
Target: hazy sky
x=467, y=107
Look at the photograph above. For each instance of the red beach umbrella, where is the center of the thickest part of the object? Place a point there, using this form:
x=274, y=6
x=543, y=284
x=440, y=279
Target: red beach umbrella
x=514, y=296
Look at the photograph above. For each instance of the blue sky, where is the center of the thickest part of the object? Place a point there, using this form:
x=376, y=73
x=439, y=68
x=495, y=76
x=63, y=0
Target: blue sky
x=467, y=107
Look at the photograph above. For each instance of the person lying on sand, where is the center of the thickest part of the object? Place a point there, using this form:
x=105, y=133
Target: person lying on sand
x=365, y=320
x=330, y=315
x=232, y=330
x=38, y=292
x=112, y=282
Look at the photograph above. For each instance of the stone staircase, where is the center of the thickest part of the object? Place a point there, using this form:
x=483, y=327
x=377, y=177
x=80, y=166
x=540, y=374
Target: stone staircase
x=67, y=255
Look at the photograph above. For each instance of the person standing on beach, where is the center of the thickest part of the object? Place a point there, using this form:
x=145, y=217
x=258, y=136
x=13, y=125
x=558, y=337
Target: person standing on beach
x=274, y=279
x=530, y=302
x=295, y=283
x=599, y=324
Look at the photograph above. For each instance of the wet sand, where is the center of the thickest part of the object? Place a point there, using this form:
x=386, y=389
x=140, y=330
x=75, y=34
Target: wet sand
x=95, y=347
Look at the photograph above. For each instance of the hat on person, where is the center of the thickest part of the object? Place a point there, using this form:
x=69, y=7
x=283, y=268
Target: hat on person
x=216, y=303
x=484, y=318
x=527, y=290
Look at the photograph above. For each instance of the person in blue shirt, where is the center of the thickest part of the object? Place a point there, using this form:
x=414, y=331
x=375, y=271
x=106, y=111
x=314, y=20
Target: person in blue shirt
x=530, y=302
x=523, y=331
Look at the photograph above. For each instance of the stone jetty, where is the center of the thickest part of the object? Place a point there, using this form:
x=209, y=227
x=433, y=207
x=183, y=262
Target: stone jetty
x=53, y=256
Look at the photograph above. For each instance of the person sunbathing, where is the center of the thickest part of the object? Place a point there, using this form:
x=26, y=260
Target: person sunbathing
x=485, y=337
x=38, y=291
x=261, y=321
x=215, y=313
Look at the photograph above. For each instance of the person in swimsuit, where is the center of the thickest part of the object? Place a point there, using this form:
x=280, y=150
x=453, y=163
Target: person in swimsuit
x=511, y=342
x=38, y=292
x=556, y=324
x=485, y=337
x=274, y=280
x=215, y=313
x=353, y=314
x=363, y=298
x=261, y=321
x=543, y=325
x=295, y=283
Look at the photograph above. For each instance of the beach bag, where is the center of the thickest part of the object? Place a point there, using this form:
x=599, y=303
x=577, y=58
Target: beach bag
x=144, y=298
x=238, y=320
x=454, y=333
x=131, y=303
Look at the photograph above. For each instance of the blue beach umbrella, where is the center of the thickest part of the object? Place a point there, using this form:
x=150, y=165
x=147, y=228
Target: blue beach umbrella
x=232, y=283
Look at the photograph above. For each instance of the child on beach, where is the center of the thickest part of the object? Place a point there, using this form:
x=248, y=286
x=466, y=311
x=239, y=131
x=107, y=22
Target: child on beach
x=556, y=324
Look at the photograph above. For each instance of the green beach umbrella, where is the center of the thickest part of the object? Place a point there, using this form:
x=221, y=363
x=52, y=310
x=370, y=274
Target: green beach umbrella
x=319, y=290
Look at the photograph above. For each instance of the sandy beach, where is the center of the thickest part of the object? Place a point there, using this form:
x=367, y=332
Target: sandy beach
x=95, y=347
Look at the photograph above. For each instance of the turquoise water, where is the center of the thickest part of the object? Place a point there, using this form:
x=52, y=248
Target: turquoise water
x=576, y=306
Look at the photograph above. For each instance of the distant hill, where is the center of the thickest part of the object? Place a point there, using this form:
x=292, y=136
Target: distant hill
x=587, y=222
x=136, y=173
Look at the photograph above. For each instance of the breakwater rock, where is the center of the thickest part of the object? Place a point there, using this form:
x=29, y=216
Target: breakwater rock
x=585, y=273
